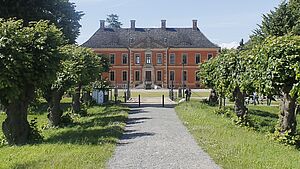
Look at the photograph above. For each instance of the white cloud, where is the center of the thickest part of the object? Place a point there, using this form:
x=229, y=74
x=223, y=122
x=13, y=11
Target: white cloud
x=229, y=45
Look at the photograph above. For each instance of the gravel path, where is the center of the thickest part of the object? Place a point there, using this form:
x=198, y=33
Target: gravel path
x=155, y=138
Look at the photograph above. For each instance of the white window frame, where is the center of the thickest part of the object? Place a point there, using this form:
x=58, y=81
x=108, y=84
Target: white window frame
x=199, y=58
x=110, y=55
x=159, y=55
x=161, y=73
x=172, y=54
x=170, y=75
x=125, y=54
x=135, y=60
x=114, y=76
x=123, y=76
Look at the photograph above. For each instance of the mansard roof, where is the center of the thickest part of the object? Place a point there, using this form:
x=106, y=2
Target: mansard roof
x=148, y=38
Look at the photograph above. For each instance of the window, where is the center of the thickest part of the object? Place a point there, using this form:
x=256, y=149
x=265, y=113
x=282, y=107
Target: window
x=209, y=56
x=137, y=59
x=124, y=75
x=198, y=58
x=158, y=77
x=184, y=58
x=112, y=76
x=159, y=58
x=112, y=58
x=148, y=58
x=197, y=76
x=172, y=75
x=137, y=75
x=172, y=58
x=184, y=75
x=125, y=58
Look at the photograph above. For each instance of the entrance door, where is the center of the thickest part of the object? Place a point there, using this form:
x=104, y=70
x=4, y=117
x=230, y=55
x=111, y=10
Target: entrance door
x=148, y=76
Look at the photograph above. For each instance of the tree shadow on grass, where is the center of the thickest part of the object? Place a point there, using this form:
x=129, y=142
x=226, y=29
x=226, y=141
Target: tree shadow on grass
x=43, y=108
x=100, y=120
x=263, y=114
x=91, y=136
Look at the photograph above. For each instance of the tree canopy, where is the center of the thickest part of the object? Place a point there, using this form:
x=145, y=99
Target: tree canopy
x=113, y=21
x=29, y=60
x=60, y=12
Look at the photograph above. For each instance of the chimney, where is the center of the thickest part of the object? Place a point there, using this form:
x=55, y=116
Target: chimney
x=195, y=27
x=132, y=24
x=102, y=24
x=163, y=24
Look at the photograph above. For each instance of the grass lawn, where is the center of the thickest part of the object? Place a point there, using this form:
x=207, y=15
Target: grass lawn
x=234, y=147
x=89, y=143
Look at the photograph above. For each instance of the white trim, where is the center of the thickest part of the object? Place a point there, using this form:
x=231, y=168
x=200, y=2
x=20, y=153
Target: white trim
x=161, y=77
x=135, y=55
x=139, y=76
x=151, y=61
x=196, y=58
x=169, y=78
x=126, y=58
x=110, y=54
x=174, y=59
x=114, y=75
x=187, y=79
x=212, y=56
x=161, y=56
x=184, y=54
x=126, y=76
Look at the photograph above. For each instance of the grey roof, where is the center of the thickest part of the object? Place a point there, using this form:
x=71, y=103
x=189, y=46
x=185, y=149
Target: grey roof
x=148, y=38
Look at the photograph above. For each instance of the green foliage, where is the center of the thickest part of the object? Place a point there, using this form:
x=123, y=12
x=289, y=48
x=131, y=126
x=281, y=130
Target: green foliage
x=62, y=13
x=29, y=56
x=277, y=62
x=81, y=66
x=35, y=133
x=224, y=112
x=287, y=137
x=113, y=21
x=283, y=20
x=226, y=72
x=3, y=141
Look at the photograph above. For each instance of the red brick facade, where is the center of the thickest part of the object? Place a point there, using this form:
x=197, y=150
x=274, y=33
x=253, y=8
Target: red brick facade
x=160, y=72
x=151, y=57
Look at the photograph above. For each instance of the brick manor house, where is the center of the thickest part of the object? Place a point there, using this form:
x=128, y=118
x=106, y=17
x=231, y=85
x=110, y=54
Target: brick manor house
x=152, y=57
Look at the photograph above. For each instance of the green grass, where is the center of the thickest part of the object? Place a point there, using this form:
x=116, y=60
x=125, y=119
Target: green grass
x=89, y=143
x=234, y=147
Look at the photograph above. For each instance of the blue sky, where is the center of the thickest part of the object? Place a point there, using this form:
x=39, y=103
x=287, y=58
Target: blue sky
x=223, y=22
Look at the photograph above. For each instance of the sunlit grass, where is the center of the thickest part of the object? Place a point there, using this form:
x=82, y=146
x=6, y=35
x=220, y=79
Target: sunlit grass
x=88, y=143
x=234, y=147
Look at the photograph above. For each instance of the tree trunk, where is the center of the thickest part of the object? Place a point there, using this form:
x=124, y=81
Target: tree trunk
x=287, y=117
x=220, y=102
x=55, y=111
x=86, y=97
x=16, y=127
x=76, y=100
x=240, y=108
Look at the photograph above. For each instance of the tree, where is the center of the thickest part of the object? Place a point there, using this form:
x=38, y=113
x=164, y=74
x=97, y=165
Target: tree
x=80, y=66
x=285, y=19
x=228, y=76
x=60, y=12
x=278, y=58
x=113, y=21
x=87, y=70
x=29, y=60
